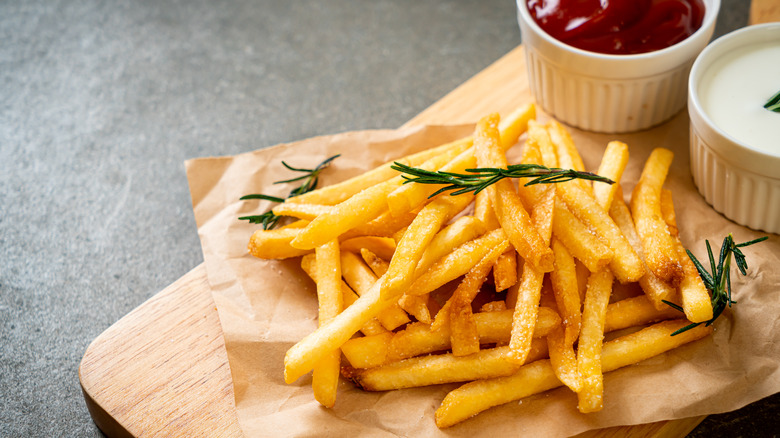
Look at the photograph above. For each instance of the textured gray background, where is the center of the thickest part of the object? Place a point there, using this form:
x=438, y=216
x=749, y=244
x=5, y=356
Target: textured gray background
x=102, y=101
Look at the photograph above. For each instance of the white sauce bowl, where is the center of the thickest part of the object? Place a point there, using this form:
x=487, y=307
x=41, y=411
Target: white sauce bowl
x=739, y=179
x=610, y=93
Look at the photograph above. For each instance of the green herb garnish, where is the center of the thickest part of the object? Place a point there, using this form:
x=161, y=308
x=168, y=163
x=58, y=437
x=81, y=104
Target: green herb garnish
x=773, y=104
x=718, y=281
x=479, y=179
x=310, y=181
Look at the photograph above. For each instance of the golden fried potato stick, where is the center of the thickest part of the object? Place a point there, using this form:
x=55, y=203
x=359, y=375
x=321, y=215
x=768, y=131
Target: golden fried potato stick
x=386, y=225
x=535, y=377
x=371, y=327
x=361, y=279
x=511, y=214
x=325, y=376
x=410, y=196
x=568, y=156
x=418, y=235
x=579, y=240
x=339, y=192
x=694, y=297
x=655, y=289
x=594, y=315
x=626, y=264
x=456, y=263
x=566, y=292
x=442, y=368
x=301, y=211
x=383, y=247
x=635, y=311
x=530, y=285
x=505, y=268
x=613, y=163
x=493, y=306
x=367, y=351
x=360, y=208
x=658, y=245
x=464, y=229
x=563, y=359
x=275, y=244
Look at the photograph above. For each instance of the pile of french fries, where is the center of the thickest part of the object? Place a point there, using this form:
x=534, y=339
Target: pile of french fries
x=406, y=293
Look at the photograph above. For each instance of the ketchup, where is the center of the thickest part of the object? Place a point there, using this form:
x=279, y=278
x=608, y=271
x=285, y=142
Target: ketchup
x=618, y=27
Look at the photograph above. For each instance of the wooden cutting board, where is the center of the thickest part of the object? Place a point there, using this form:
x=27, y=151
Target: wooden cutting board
x=162, y=369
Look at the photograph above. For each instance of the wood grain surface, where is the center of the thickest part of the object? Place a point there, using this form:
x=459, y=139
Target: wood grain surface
x=162, y=369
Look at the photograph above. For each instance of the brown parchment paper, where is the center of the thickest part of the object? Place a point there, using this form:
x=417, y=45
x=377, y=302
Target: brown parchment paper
x=267, y=306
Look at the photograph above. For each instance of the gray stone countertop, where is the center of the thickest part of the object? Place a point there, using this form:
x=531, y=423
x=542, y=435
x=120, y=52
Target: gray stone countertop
x=102, y=101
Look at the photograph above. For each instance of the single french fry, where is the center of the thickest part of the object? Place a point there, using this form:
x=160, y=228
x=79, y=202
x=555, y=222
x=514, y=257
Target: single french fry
x=535, y=377
x=579, y=240
x=456, y=263
x=339, y=192
x=464, y=229
x=635, y=311
x=377, y=265
x=568, y=156
x=563, y=359
x=438, y=369
x=594, y=314
x=301, y=211
x=361, y=279
x=627, y=267
x=325, y=376
x=613, y=163
x=409, y=251
x=505, y=270
x=655, y=289
x=386, y=225
x=660, y=253
x=275, y=244
x=668, y=213
x=694, y=297
x=565, y=289
x=530, y=286
x=511, y=214
x=372, y=326
x=383, y=247
x=483, y=210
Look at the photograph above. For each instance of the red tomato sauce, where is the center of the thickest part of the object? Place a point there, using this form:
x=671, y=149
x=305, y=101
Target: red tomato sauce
x=618, y=27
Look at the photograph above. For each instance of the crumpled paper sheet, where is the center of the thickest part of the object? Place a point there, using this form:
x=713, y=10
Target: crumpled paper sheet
x=267, y=306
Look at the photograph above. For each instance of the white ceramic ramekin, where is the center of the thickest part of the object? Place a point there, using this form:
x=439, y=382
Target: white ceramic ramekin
x=738, y=180
x=610, y=93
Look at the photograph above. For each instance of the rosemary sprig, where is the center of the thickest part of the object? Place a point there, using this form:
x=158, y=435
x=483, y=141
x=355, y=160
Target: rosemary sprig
x=310, y=180
x=718, y=281
x=479, y=179
x=773, y=104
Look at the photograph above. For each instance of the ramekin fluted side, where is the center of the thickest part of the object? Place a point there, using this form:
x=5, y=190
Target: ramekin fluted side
x=743, y=196
x=603, y=104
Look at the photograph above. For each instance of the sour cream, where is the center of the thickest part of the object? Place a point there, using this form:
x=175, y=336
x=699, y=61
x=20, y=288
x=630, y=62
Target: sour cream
x=735, y=88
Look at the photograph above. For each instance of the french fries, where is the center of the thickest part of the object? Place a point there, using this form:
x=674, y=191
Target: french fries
x=405, y=291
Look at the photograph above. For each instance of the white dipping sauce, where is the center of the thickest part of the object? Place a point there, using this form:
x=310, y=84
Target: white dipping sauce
x=734, y=90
